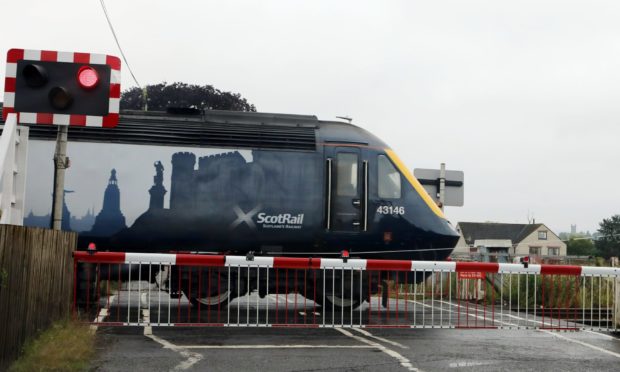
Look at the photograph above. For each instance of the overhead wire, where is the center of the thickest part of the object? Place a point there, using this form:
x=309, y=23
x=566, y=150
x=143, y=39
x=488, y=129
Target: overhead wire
x=107, y=17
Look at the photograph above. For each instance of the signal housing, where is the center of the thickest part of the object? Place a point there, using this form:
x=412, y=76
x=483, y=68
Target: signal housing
x=61, y=88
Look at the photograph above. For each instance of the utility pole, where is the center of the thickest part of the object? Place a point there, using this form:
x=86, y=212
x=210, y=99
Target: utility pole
x=442, y=185
x=60, y=165
x=146, y=99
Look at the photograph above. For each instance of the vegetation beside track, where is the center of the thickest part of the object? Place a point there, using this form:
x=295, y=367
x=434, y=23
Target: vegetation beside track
x=65, y=346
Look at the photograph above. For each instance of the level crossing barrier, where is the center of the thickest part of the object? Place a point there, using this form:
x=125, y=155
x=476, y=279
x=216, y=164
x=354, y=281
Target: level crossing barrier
x=142, y=289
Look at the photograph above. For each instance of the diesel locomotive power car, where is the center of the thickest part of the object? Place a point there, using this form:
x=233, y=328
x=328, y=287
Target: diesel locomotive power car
x=237, y=182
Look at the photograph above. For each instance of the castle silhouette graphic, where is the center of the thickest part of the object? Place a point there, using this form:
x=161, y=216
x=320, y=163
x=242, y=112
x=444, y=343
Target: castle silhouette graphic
x=204, y=194
x=110, y=219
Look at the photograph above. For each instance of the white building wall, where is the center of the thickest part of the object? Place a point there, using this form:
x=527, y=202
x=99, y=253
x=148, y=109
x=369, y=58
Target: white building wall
x=461, y=246
x=552, y=241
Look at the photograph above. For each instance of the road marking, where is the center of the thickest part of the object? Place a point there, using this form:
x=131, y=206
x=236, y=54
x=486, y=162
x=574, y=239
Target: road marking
x=368, y=334
x=460, y=307
x=475, y=316
x=467, y=364
x=505, y=314
x=146, y=317
x=192, y=358
x=550, y=323
x=277, y=347
x=602, y=335
x=103, y=312
x=533, y=320
x=555, y=334
x=401, y=359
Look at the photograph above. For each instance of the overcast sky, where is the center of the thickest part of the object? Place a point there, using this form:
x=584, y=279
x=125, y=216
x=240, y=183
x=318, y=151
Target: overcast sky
x=523, y=96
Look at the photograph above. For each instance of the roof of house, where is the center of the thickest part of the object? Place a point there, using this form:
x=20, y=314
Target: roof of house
x=516, y=232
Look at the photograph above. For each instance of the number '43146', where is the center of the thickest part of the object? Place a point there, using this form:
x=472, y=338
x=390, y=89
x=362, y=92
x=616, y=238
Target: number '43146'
x=390, y=209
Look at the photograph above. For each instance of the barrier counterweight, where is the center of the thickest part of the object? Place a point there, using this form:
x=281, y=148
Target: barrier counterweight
x=209, y=290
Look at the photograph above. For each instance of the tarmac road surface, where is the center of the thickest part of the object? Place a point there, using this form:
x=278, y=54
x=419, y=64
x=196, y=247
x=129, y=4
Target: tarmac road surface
x=176, y=348
x=327, y=349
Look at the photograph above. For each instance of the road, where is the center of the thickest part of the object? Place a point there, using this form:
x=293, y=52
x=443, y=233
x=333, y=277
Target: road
x=143, y=347
x=278, y=349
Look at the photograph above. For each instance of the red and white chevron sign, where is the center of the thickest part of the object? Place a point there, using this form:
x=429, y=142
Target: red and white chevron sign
x=14, y=56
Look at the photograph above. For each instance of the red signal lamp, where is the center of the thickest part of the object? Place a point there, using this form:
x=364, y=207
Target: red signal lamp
x=525, y=261
x=88, y=78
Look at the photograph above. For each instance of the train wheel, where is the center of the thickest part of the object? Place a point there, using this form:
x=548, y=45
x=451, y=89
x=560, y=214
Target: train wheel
x=214, y=292
x=338, y=302
x=213, y=301
x=340, y=293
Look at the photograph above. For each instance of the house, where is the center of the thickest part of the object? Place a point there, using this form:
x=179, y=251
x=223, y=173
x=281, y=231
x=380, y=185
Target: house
x=508, y=239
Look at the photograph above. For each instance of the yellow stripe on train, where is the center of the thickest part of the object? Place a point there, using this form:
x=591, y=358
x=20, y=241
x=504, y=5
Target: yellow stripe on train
x=414, y=182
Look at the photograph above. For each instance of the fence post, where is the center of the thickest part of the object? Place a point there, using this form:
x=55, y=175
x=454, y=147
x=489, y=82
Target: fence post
x=13, y=160
x=615, y=262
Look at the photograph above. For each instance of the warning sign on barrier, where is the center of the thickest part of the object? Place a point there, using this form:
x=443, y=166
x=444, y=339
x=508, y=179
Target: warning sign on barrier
x=471, y=275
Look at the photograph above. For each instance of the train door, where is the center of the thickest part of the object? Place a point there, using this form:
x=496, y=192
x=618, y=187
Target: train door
x=346, y=190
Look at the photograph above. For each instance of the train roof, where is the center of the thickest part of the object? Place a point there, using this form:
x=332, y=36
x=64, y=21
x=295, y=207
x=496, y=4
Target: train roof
x=218, y=128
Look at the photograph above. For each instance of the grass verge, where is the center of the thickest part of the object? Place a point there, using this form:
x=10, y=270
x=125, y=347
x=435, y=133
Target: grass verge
x=65, y=346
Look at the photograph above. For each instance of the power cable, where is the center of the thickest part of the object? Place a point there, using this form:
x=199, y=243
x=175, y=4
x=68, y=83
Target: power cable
x=107, y=17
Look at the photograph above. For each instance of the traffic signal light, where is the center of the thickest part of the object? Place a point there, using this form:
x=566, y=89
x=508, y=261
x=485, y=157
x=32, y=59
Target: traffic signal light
x=48, y=87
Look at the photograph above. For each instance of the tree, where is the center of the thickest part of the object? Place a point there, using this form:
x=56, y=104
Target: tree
x=163, y=95
x=581, y=247
x=608, y=243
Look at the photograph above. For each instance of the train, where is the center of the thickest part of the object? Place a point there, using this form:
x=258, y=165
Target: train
x=223, y=182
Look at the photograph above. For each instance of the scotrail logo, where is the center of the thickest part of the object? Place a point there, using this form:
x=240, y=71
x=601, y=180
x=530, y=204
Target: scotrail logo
x=281, y=219
x=267, y=221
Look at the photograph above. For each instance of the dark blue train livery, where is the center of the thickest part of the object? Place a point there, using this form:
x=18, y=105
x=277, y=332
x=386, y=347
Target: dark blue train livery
x=238, y=182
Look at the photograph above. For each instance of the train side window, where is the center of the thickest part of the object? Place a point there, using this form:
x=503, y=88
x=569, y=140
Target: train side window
x=389, y=179
x=346, y=171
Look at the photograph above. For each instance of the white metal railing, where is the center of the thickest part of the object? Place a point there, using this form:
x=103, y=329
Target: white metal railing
x=13, y=160
x=202, y=290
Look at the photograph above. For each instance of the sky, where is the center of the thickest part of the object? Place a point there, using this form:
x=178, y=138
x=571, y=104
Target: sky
x=522, y=96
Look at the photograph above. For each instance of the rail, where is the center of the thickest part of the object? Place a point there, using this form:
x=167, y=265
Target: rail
x=233, y=291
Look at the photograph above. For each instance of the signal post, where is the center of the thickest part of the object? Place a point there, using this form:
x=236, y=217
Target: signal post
x=46, y=87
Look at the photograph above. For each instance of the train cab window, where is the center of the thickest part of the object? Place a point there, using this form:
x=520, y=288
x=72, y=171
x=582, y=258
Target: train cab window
x=389, y=179
x=346, y=179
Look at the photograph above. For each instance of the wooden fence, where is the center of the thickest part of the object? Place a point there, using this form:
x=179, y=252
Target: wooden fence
x=36, y=276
